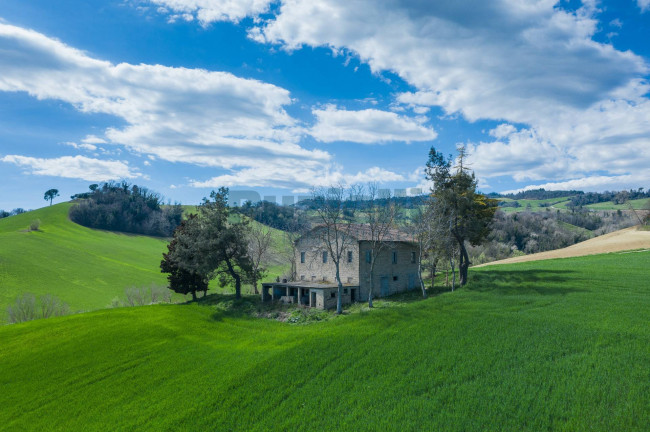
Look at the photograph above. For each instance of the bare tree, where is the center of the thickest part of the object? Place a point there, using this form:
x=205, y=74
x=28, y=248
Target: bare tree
x=379, y=216
x=336, y=215
x=294, y=230
x=259, y=242
x=419, y=227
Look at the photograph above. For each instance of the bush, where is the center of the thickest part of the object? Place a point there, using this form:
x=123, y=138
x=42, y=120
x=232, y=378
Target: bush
x=35, y=225
x=145, y=296
x=27, y=308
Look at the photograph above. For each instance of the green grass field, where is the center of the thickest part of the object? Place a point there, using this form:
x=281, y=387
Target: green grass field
x=534, y=205
x=555, y=345
x=85, y=268
x=639, y=204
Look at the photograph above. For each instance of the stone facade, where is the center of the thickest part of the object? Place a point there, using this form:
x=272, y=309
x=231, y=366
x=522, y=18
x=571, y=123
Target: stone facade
x=396, y=268
x=311, y=267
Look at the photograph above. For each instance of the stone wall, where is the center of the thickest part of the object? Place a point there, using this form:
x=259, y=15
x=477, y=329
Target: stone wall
x=315, y=270
x=401, y=275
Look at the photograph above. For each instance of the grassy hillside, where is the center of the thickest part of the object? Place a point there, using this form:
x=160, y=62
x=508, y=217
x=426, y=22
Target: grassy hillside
x=554, y=345
x=638, y=204
x=85, y=268
x=534, y=205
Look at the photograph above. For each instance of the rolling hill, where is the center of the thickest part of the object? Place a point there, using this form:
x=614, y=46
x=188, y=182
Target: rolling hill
x=622, y=240
x=549, y=345
x=86, y=268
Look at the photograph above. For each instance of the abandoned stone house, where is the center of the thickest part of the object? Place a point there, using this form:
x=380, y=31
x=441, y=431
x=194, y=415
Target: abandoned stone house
x=396, y=270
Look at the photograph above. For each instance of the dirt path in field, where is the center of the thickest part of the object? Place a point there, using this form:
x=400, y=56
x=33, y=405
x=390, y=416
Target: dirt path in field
x=626, y=239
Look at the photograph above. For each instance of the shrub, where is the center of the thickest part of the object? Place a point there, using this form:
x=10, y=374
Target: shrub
x=143, y=296
x=35, y=225
x=28, y=308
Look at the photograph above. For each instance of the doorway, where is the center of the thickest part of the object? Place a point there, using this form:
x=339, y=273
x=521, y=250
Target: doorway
x=385, y=289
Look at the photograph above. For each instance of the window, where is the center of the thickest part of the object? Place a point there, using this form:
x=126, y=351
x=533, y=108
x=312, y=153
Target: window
x=333, y=294
x=412, y=257
x=349, y=256
x=395, y=257
x=325, y=257
x=345, y=290
x=395, y=278
x=302, y=257
x=369, y=256
x=302, y=277
x=313, y=278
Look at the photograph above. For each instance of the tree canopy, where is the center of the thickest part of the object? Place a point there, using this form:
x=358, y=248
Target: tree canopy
x=456, y=206
x=211, y=245
x=50, y=195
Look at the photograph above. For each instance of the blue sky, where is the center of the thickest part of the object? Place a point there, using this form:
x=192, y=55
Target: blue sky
x=184, y=96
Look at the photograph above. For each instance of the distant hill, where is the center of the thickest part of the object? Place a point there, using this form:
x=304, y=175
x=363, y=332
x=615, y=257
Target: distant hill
x=627, y=239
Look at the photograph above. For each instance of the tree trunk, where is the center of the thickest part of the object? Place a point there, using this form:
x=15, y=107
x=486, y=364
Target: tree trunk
x=424, y=290
x=434, y=263
x=463, y=265
x=453, y=272
x=255, y=286
x=372, y=269
x=193, y=295
x=237, y=278
x=339, y=303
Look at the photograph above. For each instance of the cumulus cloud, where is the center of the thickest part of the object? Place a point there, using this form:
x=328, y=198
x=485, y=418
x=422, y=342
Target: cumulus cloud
x=581, y=106
x=212, y=119
x=75, y=167
x=369, y=126
x=591, y=183
x=644, y=5
x=207, y=11
x=301, y=177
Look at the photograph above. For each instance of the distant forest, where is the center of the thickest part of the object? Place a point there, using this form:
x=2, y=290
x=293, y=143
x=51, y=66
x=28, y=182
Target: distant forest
x=578, y=198
x=531, y=232
x=126, y=208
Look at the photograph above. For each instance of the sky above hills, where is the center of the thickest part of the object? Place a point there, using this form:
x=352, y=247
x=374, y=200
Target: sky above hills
x=278, y=97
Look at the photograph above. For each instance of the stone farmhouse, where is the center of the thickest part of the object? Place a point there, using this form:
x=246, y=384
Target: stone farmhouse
x=396, y=270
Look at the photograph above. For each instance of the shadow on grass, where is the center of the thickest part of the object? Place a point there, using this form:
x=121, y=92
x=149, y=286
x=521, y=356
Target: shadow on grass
x=542, y=282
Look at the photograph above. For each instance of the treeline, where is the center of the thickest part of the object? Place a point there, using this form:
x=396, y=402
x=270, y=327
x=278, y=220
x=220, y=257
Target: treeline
x=538, y=194
x=14, y=212
x=577, y=198
x=617, y=197
x=405, y=202
x=531, y=232
x=126, y=208
x=285, y=218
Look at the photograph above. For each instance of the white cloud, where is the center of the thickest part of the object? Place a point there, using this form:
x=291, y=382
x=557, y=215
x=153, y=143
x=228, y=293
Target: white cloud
x=84, y=146
x=212, y=119
x=300, y=177
x=93, y=139
x=369, y=126
x=208, y=11
x=582, y=106
x=76, y=167
x=591, y=183
x=644, y=5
